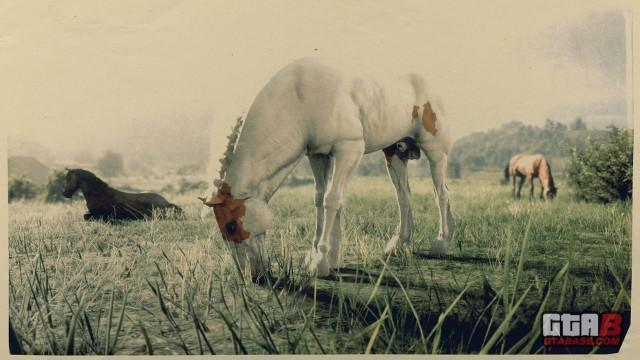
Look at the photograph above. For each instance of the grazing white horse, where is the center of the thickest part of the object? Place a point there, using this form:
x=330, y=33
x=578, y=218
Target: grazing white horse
x=312, y=107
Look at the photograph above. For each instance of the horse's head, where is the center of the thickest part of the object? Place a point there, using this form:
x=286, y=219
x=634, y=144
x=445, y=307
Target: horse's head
x=72, y=183
x=550, y=193
x=243, y=222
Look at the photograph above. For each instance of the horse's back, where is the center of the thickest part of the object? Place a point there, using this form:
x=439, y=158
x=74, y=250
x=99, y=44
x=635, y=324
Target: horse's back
x=525, y=164
x=325, y=102
x=147, y=200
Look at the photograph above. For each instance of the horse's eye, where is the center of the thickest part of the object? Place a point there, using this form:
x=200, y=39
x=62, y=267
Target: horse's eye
x=231, y=227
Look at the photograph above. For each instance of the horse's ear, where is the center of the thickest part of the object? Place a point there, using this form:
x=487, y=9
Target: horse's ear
x=211, y=200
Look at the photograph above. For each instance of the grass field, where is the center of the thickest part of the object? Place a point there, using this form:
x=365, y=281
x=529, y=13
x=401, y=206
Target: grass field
x=170, y=287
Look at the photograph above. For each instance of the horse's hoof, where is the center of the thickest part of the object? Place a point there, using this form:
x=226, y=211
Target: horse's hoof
x=439, y=247
x=308, y=257
x=394, y=245
x=332, y=258
x=319, y=265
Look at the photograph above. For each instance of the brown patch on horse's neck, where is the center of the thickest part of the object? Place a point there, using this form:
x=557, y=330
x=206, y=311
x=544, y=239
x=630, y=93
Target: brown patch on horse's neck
x=227, y=210
x=429, y=119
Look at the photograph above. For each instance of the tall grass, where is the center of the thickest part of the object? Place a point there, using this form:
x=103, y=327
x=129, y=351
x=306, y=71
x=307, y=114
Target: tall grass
x=168, y=286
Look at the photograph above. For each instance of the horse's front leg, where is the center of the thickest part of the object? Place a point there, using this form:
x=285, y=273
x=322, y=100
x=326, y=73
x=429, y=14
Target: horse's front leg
x=438, y=165
x=399, y=174
x=346, y=156
x=520, y=183
x=530, y=183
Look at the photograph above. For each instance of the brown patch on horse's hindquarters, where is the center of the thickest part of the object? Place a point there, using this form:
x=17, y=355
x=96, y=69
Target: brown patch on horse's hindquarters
x=429, y=119
x=228, y=211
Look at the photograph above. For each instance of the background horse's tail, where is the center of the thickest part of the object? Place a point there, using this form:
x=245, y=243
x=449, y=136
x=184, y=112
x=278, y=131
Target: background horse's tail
x=505, y=179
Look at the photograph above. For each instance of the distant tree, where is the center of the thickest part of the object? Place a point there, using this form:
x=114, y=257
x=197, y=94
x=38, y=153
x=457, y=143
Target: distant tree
x=22, y=188
x=493, y=148
x=603, y=172
x=455, y=169
x=55, y=186
x=551, y=125
x=111, y=164
x=578, y=124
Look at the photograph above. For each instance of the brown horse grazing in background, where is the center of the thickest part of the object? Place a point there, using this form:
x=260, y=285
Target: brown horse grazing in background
x=530, y=167
x=107, y=203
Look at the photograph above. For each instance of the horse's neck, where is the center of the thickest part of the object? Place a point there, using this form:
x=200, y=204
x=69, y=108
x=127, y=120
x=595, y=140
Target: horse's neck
x=94, y=192
x=260, y=164
x=544, y=174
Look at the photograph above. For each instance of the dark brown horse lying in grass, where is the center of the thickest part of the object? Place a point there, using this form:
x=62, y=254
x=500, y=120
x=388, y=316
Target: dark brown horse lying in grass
x=107, y=203
x=530, y=167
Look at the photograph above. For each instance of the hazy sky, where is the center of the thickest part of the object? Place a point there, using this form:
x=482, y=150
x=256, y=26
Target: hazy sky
x=88, y=73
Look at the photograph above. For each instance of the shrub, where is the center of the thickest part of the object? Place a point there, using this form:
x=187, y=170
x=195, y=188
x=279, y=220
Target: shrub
x=55, y=186
x=22, y=188
x=603, y=171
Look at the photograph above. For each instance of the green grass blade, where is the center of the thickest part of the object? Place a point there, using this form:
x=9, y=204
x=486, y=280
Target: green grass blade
x=69, y=346
x=109, y=323
x=535, y=329
x=120, y=321
x=500, y=331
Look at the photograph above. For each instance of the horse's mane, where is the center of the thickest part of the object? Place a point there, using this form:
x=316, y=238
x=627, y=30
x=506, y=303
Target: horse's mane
x=552, y=185
x=89, y=177
x=225, y=161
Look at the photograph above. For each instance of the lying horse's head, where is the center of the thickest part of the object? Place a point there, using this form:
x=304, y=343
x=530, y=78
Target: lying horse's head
x=242, y=222
x=76, y=177
x=72, y=183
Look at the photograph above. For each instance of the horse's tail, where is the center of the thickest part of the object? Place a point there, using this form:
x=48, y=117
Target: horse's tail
x=505, y=179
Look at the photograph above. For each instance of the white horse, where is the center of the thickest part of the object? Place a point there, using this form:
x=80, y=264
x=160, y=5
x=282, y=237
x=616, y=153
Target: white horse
x=312, y=107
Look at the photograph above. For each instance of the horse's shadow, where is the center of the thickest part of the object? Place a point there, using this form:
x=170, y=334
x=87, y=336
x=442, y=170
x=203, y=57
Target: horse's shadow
x=458, y=258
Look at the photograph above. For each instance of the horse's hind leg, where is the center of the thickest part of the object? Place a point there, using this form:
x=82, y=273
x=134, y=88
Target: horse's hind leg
x=399, y=174
x=438, y=165
x=346, y=156
x=320, y=165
